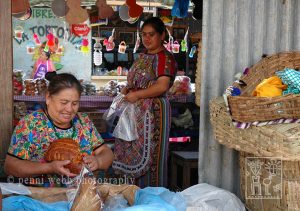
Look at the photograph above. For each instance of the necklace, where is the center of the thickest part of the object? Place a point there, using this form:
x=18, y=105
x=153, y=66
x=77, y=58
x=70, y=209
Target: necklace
x=73, y=136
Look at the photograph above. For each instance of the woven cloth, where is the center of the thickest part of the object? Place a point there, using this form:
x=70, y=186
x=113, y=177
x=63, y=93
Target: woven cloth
x=291, y=78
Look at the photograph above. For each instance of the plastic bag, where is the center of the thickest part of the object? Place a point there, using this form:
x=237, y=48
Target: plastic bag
x=126, y=128
x=205, y=197
x=86, y=196
x=115, y=110
x=115, y=203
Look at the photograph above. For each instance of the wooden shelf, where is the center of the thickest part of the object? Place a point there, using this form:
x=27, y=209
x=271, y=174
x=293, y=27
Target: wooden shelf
x=108, y=77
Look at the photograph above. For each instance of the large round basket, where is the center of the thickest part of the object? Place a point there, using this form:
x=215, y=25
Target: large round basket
x=246, y=108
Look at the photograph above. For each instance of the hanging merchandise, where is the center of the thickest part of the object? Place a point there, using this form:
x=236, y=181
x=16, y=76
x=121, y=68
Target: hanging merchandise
x=168, y=45
x=30, y=47
x=84, y=45
x=175, y=47
x=192, y=52
x=97, y=51
x=197, y=10
x=109, y=43
x=122, y=47
x=18, y=30
x=104, y=10
x=36, y=39
x=76, y=13
x=134, y=10
x=59, y=8
x=180, y=8
x=123, y=12
x=137, y=41
x=184, y=42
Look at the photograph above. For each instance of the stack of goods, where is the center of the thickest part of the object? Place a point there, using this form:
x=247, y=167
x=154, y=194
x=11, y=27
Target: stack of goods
x=18, y=82
x=88, y=89
x=182, y=85
x=111, y=88
x=41, y=86
x=30, y=88
x=20, y=111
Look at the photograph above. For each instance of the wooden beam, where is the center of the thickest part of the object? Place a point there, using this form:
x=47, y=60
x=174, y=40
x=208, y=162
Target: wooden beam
x=6, y=92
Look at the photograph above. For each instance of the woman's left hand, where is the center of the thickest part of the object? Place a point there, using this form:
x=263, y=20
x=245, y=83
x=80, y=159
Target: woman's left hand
x=91, y=162
x=131, y=97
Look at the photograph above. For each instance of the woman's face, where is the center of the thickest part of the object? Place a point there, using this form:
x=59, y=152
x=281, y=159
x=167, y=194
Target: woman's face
x=63, y=106
x=152, y=40
x=43, y=56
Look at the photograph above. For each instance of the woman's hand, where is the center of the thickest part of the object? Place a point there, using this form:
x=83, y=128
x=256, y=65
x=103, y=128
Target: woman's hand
x=131, y=97
x=92, y=162
x=124, y=91
x=58, y=168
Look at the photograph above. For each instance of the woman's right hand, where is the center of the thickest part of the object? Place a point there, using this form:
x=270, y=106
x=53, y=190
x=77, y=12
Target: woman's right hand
x=58, y=167
x=124, y=91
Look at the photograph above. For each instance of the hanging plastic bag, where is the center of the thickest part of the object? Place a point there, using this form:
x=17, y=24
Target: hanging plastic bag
x=115, y=110
x=126, y=128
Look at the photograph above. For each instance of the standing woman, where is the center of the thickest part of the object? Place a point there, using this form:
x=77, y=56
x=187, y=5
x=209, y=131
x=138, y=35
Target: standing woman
x=42, y=65
x=148, y=80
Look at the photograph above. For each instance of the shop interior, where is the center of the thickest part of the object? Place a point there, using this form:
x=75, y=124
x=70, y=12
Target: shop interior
x=83, y=49
x=77, y=49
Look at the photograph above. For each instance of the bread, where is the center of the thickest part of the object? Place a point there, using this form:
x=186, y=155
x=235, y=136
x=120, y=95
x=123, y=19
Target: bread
x=87, y=197
x=65, y=149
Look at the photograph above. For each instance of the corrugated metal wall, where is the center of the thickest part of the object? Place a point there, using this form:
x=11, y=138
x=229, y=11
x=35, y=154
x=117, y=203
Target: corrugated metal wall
x=236, y=33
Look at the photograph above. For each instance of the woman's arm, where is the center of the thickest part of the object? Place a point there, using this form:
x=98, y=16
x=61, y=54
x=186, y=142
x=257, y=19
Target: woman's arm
x=33, y=70
x=160, y=87
x=25, y=168
x=52, y=66
x=102, y=158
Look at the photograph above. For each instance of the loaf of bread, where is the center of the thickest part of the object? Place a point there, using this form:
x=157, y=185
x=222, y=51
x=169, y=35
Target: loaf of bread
x=65, y=149
x=87, y=197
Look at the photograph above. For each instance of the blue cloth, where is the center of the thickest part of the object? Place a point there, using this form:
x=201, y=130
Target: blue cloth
x=25, y=203
x=157, y=199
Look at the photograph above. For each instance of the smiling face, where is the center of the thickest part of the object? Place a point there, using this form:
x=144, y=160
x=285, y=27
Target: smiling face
x=63, y=106
x=152, y=40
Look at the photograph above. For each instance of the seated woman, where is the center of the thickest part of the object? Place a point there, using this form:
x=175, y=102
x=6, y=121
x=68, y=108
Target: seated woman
x=34, y=133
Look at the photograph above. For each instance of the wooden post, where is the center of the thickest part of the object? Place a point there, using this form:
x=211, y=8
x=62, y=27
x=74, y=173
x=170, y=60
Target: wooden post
x=6, y=92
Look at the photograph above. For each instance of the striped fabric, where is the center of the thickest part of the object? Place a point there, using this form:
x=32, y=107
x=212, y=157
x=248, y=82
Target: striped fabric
x=245, y=125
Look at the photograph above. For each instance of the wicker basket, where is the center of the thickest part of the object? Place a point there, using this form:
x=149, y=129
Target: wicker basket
x=280, y=140
x=245, y=108
x=288, y=180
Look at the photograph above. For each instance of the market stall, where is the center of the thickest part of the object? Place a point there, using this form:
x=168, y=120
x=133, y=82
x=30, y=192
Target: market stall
x=31, y=34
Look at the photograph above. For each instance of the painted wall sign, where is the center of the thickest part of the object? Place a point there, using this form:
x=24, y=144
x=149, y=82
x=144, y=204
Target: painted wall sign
x=41, y=23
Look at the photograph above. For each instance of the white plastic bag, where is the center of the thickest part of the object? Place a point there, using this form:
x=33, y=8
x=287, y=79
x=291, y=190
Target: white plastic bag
x=126, y=129
x=116, y=107
x=205, y=197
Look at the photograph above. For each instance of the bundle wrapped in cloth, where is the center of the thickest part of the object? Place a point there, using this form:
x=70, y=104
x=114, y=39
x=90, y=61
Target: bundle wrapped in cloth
x=65, y=149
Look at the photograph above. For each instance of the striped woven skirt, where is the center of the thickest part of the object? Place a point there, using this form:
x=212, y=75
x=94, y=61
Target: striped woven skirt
x=145, y=159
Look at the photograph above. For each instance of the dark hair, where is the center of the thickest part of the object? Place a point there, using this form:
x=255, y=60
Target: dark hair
x=62, y=81
x=48, y=54
x=156, y=23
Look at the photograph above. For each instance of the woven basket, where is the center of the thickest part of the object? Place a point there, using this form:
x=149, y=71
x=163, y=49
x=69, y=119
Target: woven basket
x=289, y=181
x=245, y=108
x=280, y=140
